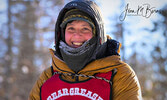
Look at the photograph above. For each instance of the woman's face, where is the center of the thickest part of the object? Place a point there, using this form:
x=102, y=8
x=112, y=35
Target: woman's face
x=77, y=32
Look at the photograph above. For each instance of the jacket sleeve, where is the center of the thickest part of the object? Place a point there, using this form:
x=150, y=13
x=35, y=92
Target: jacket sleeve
x=35, y=91
x=126, y=85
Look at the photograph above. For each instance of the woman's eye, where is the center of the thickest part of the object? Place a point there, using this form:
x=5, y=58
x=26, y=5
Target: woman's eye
x=70, y=28
x=86, y=29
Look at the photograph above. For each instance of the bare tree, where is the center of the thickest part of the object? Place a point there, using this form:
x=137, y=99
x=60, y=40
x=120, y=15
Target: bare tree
x=159, y=56
x=8, y=58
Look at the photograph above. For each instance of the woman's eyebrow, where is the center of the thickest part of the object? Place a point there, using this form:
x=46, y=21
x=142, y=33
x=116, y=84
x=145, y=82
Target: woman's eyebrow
x=70, y=24
x=86, y=25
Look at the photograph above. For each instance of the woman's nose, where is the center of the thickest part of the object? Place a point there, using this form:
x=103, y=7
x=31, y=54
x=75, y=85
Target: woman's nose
x=77, y=33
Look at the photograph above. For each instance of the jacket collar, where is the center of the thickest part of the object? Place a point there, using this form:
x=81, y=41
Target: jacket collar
x=102, y=65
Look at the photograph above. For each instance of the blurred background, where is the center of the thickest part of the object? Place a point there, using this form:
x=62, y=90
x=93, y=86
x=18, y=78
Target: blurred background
x=27, y=32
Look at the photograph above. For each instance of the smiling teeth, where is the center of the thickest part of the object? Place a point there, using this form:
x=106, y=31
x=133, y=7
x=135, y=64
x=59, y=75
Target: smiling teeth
x=78, y=44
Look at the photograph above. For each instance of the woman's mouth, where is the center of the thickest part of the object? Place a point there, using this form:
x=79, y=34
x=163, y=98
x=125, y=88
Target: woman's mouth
x=77, y=44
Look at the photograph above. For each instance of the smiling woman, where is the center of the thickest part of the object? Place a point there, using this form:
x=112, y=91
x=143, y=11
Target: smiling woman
x=77, y=32
x=84, y=65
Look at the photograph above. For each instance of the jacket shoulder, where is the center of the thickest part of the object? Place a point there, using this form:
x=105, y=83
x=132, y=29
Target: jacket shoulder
x=126, y=85
x=35, y=91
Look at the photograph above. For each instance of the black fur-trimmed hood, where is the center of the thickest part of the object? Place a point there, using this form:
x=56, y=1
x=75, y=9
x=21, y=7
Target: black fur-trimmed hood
x=88, y=7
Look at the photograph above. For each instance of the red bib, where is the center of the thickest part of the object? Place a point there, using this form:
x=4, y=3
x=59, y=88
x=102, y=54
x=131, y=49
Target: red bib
x=92, y=89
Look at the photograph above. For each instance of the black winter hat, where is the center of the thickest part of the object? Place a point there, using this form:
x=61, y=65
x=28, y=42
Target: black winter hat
x=76, y=14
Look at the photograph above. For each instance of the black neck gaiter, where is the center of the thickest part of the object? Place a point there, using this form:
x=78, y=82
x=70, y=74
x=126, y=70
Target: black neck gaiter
x=77, y=58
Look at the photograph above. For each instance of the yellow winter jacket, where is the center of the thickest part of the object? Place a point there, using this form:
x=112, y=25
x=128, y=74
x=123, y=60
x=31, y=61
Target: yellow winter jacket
x=125, y=82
